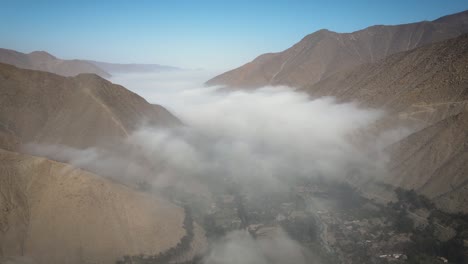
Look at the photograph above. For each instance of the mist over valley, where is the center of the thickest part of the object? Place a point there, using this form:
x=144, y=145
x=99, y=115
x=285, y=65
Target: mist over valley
x=343, y=148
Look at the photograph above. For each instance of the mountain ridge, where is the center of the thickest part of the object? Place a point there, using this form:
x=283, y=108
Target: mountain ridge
x=322, y=53
x=53, y=212
x=81, y=111
x=115, y=68
x=427, y=74
x=427, y=88
x=44, y=61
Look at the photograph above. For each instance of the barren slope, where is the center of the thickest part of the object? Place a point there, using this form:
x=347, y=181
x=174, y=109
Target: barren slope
x=426, y=86
x=80, y=111
x=55, y=213
x=323, y=53
x=433, y=161
x=420, y=80
x=43, y=61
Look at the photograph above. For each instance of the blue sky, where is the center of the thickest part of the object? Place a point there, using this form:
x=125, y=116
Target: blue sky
x=192, y=34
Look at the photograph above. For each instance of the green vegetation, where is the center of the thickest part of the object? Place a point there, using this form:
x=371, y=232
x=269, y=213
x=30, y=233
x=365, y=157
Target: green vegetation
x=347, y=196
x=211, y=228
x=402, y=223
x=425, y=243
x=302, y=229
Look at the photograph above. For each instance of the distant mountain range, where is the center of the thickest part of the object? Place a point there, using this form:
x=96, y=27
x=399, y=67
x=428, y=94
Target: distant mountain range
x=324, y=52
x=43, y=61
x=132, y=67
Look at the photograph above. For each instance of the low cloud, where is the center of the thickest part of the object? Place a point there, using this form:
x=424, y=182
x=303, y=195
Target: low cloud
x=260, y=139
x=239, y=247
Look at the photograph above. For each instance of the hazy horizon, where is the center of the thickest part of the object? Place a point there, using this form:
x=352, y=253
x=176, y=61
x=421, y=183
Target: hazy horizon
x=204, y=34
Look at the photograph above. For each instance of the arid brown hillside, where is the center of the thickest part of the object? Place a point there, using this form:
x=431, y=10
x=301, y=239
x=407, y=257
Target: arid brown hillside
x=323, y=53
x=433, y=161
x=427, y=86
x=54, y=213
x=420, y=80
x=81, y=111
x=43, y=61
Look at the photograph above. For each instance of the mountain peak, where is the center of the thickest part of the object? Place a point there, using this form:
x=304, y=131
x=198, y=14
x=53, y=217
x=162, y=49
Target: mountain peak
x=323, y=53
x=457, y=18
x=42, y=55
x=44, y=61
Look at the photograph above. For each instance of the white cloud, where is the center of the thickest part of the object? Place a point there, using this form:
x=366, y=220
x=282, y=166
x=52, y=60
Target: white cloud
x=239, y=247
x=260, y=139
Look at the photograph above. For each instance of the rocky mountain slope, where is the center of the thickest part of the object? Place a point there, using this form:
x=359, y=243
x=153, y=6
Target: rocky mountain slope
x=51, y=212
x=55, y=213
x=324, y=53
x=433, y=162
x=80, y=112
x=427, y=86
x=417, y=81
x=43, y=61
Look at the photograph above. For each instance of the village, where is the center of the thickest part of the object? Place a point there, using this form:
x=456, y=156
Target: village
x=336, y=221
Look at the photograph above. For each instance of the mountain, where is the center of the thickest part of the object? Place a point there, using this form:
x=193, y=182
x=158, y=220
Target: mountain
x=52, y=212
x=132, y=67
x=55, y=213
x=421, y=80
x=427, y=86
x=324, y=52
x=81, y=111
x=43, y=61
x=433, y=161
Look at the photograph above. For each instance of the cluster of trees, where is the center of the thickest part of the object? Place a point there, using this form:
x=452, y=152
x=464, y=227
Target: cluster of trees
x=425, y=244
x=413, y=200
x=195, y=260
x=346, y=195
x=166, y=256
x=302, y=229
x=211, y=228
x=241, y=211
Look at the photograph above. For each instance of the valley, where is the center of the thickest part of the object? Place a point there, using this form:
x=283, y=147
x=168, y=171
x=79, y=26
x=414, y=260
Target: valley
x=349, y=146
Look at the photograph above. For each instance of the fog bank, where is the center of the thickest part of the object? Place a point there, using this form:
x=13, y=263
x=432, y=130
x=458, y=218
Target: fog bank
x=240, y=247
x=260, y=139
